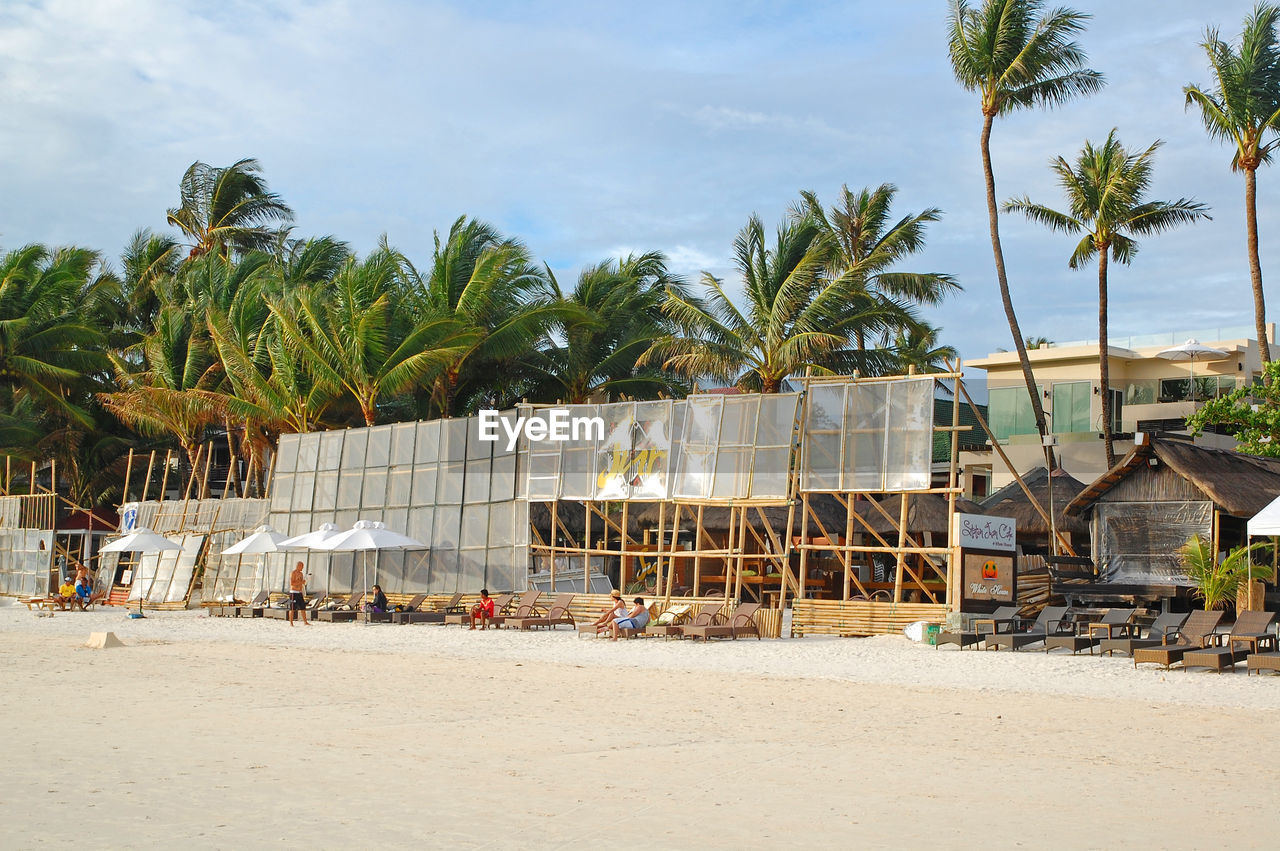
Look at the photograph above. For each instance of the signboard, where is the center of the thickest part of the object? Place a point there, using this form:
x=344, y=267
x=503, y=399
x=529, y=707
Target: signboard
x=988, y=559
x=979, y=532
x=128, y=517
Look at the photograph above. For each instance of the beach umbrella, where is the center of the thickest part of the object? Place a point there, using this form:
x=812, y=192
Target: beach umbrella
x=263, y=540
x=1192, y=351
x=367, y=535
x=309, y=540
x=144, y=542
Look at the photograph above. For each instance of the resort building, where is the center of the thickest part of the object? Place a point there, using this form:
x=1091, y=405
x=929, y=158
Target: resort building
x=1154, y=388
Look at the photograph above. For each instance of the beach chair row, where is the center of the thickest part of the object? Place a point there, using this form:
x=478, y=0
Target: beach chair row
x=1191, y=640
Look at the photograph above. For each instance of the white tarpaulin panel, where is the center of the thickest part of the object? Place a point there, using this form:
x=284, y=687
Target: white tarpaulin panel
x=870, y=436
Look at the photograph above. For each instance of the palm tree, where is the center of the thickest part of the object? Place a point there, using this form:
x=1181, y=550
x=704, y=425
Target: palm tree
x=484, y=284
x=228, y=209
x=1218, y=582
x=1015, y=57
x=148, y=260
x=918, y=348
x=1240, y=108
x=347, y=336
x=1105, y=194
x=868, y=244
x=796, y=318
x=616, y=316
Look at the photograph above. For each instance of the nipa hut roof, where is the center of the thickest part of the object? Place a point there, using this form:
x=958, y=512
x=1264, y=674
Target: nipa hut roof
x=1011, y=501
x=1238, y=484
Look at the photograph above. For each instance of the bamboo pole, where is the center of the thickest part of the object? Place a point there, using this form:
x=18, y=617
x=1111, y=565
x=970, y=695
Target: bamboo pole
x=203, y=492
x=902, y=542
x=31, y=482
x=8, y=475
x=586, y=559
x=662, y=525
x=128, y=473
x=804, y=548
x=953, y=558
x=623, y=561
x=164, y=476
x=555, y=505
x=697, y=548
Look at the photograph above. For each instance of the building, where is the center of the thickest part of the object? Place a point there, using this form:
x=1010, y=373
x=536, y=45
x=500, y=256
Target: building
x=1149, y=393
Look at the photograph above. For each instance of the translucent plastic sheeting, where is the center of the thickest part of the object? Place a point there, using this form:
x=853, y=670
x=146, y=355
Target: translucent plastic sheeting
x=25, y=561
x=1138, y=542
x=165, y=577
x=697, y=464
x=869, y=436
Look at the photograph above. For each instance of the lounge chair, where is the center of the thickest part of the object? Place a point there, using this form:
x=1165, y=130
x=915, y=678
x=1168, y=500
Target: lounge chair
x=1051, y=621
x=1132, y=639
x=345, y=612
x=1250, y=633
x=1194, y=633
x=557, y=614
x=463, y=618
x=706, y=615
x=1005, y=615
x=389, y=615
x=526, y=607
x=417, y=615
x=282, y=612
x=1085, y=636
x=741, y=622
x=252, y=609
x=1269, y=661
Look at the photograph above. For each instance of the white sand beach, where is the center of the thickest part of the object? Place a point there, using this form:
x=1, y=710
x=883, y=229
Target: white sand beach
x=213, y=733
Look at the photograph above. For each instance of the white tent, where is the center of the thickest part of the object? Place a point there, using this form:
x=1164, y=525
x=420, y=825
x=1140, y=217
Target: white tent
x=1266, y=521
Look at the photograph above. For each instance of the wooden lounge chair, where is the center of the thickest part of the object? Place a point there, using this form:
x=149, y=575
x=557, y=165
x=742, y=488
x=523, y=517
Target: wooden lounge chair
x=1085, y=636
x=526, y=607
x=389, y=616
x=741, y=622
x=1005, y=617
x=1194, y=633
x=1250, y=632
x=706, y=615
x=1051, y=621
x=419, y=615
x=463, y=618
x=1131, y=637
x=557, y=614
x=345, y=612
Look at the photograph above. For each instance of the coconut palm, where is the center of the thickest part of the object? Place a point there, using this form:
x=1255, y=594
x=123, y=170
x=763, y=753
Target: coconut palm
x=1242, y=108
x=148, y=260
x=868, y=244
x=918, y=349
x=1016, y=56
x=1106, y=191
x=795, y=317
x=1217, y=583
x=616, y=317
x=225, y=210
x=347, y=334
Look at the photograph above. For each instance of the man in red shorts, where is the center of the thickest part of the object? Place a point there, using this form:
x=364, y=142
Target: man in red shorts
x=483, y=610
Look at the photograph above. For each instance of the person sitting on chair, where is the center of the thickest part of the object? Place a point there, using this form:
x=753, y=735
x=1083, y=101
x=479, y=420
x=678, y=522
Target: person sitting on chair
x=379, y=602
x=66, y=593
x=637, y=617
x=483, y=610
x=617, y=609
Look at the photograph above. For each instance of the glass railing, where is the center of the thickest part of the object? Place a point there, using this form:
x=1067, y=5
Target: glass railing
x=1174, y=338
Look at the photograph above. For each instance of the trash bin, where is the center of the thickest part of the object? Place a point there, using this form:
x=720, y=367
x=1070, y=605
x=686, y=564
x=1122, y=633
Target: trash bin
x=931, y=634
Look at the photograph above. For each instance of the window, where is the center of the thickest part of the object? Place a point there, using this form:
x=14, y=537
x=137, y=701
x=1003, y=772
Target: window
x=1071, y=402
x=1117, y=411
x=1207, y=387
x=1009, y=409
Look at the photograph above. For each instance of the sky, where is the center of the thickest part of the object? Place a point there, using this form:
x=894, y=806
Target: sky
x=592, y=129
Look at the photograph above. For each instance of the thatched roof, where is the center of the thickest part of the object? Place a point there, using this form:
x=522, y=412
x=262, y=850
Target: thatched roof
x=926, y=512
x=1011, y=501
x=1238, y=484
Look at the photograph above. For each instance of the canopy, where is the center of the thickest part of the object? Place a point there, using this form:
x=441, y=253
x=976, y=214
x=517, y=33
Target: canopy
x=1192, y=350
x=1266, y=521
x=367, y=535
x=263, y=540
x=140, y=541
x=310, y=540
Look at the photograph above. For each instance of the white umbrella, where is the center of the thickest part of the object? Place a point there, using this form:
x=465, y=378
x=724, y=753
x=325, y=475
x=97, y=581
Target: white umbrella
x=368, y=535
x=1192, y=351
x=142, y=541
x=263, y=540
x=309, y=540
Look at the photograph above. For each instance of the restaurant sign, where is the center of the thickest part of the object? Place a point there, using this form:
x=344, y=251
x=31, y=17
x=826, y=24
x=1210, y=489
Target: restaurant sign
x=988, y=558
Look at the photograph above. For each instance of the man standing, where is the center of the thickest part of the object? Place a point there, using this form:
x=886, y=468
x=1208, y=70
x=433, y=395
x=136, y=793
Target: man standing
x=297, y=599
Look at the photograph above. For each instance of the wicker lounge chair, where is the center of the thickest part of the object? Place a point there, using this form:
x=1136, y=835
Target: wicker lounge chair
x=417, y=615
x=344, y=612
x=1051, y=621
x=1005, y=615
x=1269, y=661
x=1195, y=633
x=526, y=607
x=558, y=613
x=1085, y=636
x=252, y=609
x=463, y=618
x=741, y=622
x=282, y=612
x=1132, y=636
x=389, y=615
x=1250, y=632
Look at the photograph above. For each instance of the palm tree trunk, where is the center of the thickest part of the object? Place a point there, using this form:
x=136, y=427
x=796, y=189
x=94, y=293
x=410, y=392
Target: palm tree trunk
x=1255, y=265
x=1019, y=343
x=1104, y=366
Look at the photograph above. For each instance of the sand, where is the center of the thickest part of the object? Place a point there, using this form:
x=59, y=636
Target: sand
x=218, y=733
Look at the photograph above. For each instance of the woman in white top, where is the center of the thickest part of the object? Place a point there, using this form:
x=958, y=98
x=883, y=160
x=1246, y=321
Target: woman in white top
x=637, y=617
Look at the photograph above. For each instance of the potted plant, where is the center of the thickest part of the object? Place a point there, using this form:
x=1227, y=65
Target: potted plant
x=1218, y=582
